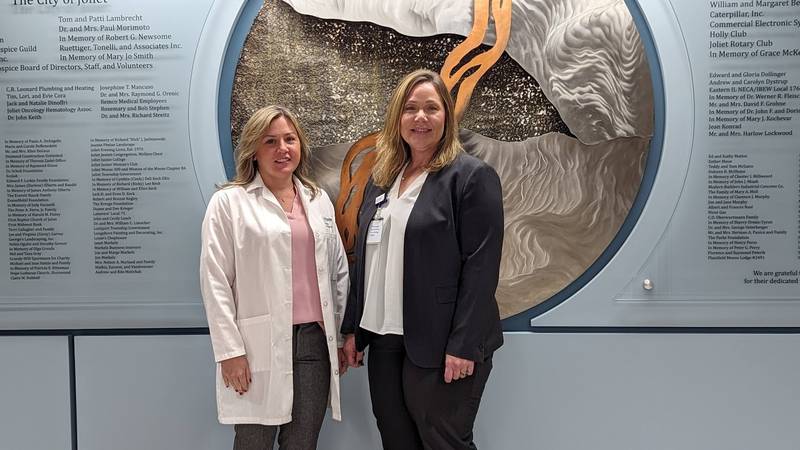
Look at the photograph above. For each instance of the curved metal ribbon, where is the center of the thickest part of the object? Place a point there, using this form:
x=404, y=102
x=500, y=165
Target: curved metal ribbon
x=353, y=182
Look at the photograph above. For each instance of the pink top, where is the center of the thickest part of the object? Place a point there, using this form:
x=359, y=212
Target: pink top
x=306, y=305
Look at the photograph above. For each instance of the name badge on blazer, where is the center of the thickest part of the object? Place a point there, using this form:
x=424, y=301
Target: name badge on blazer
x=375, y=231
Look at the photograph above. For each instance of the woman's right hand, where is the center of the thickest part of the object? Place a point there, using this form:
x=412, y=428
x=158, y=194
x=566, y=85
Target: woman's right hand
x=236, y=373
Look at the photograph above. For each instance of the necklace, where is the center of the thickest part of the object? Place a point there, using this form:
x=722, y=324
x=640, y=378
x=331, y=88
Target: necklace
x=409, y=173
x=286, y=201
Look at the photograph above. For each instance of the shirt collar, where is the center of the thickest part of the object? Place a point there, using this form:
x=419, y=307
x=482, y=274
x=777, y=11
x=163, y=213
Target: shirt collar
x=258, y=183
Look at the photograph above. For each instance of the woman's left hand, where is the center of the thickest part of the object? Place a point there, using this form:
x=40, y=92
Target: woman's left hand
x=456, y=368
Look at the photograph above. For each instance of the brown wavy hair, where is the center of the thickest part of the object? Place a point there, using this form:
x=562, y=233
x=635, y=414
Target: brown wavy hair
x=392, y=151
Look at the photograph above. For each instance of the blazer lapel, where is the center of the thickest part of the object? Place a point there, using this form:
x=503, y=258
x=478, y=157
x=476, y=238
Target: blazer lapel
x=369, y=208
x=367, y=211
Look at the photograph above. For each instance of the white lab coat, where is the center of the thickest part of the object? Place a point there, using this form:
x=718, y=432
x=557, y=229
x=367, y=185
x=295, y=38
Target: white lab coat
x=246, y=282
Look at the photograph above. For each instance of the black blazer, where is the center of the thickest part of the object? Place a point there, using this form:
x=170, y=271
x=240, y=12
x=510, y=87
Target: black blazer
x=453, y=242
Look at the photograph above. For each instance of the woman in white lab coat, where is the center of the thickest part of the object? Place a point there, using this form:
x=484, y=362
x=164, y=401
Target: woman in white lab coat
x=274, y=281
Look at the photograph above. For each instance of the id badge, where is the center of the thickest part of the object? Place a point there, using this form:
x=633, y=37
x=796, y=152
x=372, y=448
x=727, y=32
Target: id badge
x=375, y=232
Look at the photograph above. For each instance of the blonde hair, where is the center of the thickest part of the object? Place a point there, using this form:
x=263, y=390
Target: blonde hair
x=392, y=151
x=250, y=140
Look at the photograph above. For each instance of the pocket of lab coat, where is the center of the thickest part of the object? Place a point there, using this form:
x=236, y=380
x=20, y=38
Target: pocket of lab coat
x=256, y=334
x=256, y=405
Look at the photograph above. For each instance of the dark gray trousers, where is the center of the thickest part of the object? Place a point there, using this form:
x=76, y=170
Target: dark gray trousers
x=414, y=407
x=311, y=382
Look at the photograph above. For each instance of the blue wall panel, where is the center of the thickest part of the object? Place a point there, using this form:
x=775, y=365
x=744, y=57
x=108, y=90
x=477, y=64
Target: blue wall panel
x=34, y=393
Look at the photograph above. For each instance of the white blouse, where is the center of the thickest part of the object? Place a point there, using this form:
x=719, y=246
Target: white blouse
x=383, y=299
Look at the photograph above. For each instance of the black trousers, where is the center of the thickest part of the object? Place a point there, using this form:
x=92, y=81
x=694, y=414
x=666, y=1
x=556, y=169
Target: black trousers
x=414, y=407
x=311, y=384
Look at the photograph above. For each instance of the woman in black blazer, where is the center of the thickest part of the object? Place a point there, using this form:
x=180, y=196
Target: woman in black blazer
x=430, y=233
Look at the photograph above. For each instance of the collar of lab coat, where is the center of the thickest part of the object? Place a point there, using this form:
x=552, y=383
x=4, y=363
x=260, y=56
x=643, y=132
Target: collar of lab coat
x=258, y=183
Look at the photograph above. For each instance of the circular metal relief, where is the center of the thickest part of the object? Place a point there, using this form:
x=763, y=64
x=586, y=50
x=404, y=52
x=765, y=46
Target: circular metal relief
x=565, y=114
